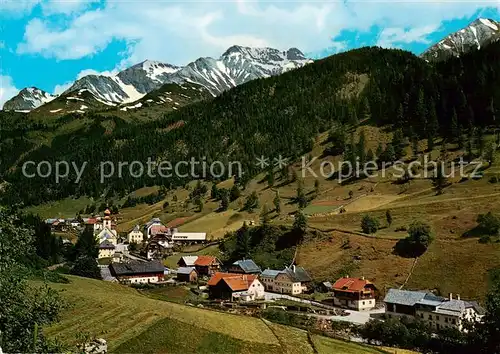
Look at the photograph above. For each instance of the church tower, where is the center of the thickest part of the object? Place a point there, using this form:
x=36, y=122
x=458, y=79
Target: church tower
x=107, y=219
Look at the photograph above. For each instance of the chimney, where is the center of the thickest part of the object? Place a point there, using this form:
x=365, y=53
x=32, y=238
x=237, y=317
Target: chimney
x=362, y=278
x=347, y=276
x=450, y=297
x=293, y=268
x=458, y=296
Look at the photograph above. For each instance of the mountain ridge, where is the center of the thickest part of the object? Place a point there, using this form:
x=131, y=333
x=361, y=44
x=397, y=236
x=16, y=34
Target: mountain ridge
x=478, y=34
x=237, y=65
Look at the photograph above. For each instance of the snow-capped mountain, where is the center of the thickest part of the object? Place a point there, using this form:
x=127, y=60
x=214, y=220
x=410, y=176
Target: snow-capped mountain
x=236, y=66
x=27, y=99
x=475, y=36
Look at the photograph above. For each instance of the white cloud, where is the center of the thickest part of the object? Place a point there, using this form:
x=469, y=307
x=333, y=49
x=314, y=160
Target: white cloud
x=67, y=7
x=180, y=32
x=17, y=7
x=7, y=89
x=392, y=37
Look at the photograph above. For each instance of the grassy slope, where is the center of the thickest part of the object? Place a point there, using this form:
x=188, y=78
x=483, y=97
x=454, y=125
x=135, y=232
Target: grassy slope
x=132, y=322
x=451, y=215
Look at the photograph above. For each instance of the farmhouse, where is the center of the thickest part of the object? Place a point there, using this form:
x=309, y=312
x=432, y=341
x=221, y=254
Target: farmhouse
x=135, y=235
x=187, y=274
x=234, y=287
x=152, y=226
x=354, y=293
x=291, y=280
x=187, y=261
x=137, y=272
x=245, y=266
x=437, y=311
x=207, y=265
x=106, y=249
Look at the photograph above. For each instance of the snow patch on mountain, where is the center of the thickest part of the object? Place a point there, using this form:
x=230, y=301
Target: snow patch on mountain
x=27, y=99
x=475, y=36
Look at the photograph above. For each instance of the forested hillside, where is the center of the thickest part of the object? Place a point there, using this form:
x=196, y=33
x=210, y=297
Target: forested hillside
x=277, y=115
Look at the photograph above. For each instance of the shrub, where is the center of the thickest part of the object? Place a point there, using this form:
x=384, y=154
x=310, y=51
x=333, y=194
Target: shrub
x=369, y=225
x=489, y=223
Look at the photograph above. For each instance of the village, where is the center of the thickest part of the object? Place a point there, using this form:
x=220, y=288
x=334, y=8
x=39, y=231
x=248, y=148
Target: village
x=137, y=260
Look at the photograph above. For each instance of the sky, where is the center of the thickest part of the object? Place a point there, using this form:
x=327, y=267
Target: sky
x=50, y=43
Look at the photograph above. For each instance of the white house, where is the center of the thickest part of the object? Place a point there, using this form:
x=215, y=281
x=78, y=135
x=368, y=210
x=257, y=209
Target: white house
x=437, y=311
x=135, y=235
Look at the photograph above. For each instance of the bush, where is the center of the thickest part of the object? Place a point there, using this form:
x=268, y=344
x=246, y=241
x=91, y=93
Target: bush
x=419, y=239
x=369, y=225
x=489, y=223
x=493, y=179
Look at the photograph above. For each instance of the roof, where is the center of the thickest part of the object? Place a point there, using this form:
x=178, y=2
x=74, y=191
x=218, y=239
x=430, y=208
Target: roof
x=239, y=282
x=106, y=245
x=248, y=266
x=153, y=221
x=136, y=267
x=193, y=236
x=158, y=229
x=188, y=260
x=460, y=306
x=270, y=273
x=351, y=284
x=404, y=297
x=185, y=270
x=91, y=221
x=205, y=260
x=218, y=276
x=297, y=274
x=327, y=284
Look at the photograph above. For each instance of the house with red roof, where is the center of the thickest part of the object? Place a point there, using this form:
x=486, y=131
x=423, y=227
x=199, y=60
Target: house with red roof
x=207, y=265
x=354, y=293
x=235, y=287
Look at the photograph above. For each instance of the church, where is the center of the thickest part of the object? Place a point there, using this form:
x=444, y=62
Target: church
x=106, y=235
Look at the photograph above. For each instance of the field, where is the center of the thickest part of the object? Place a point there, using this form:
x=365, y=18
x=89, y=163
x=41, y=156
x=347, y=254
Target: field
x=132, y=322
x=456, y=262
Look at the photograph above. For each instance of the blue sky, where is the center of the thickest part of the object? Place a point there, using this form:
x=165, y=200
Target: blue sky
x=49, y=44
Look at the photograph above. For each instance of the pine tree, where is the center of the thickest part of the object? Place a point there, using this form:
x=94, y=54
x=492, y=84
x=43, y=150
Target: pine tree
x=389, y=154
x=370, y=156
x=361, y=148
x=234, y=193
x=243, y=242
x=264, y=215
x=380, y=151
x=440, y=181
x=270, y=178
x=316, y=187
x=252, y=202
x=454, y=128
x=214, y=193
x=300, y=222
x=398, y=144
x=388, y=217
x=432, y=126
x=224, y=200
x=277, y=203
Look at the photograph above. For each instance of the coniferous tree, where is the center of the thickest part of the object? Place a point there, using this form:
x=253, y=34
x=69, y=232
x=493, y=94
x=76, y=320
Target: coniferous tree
x=361, y=148
x=234, y=193
x=454, y=128
x=277, y=203
x=214, y=193
x=264, y=215
x=300, y=222
x=398, y=144
x=224, y=199
x=316, y=187
x=439, y=181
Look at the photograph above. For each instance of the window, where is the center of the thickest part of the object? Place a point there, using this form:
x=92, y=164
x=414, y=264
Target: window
x=421, y=315
x=363, y=302
x=437, y=318
x=430, y=317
